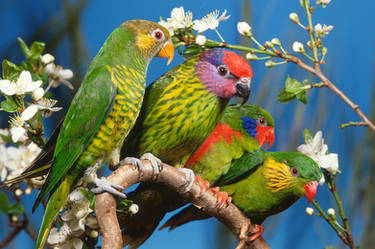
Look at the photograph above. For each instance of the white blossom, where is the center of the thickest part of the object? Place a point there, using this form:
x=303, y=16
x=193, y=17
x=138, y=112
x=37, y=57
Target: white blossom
x=324, y=1
x=47, y=106
x=134, y=208
x=244, y=28
x=318, y=151
x=47, y=58
x=331, y=212
x=298, y=47
x=294, y=17
x=200, y=40
x=29, y=112
x=309, y=211
x=210, y=21
x=270, y=63
x=17, y=131
x=58, y=75
x=24, y=84
x=322, y=31
x=37, y=94
x=178, y=20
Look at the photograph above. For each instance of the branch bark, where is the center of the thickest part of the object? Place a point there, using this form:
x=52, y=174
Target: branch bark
x=127, y=175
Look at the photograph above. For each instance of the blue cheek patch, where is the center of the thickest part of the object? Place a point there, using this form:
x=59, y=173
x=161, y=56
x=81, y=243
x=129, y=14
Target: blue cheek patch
x=250, y=125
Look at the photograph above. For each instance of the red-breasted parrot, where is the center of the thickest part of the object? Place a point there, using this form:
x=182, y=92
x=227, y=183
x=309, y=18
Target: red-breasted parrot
x=262, y=184
x=102, y=112
x=180, y=110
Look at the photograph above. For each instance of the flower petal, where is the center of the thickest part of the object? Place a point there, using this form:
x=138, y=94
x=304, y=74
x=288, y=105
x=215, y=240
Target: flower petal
x=29, y=112
x=17, y=133
x=7, y=87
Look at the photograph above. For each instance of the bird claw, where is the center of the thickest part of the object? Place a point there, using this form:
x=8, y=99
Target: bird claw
x=223, y=200
x=105, y=186
x=136, y=162
x=204, y=185
x=155, y=162
x=189, y=180
x=257, y=233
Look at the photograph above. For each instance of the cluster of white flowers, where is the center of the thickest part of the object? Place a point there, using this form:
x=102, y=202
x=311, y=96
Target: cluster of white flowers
x=322, y=31
x=56, y=74
x=180, y=19
x=76, y=217
x=14, y=160
x=318, y=151
x=24, y=85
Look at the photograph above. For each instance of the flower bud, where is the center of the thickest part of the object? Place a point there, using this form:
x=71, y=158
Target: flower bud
x=309, y=44
x=200, y=40
x=325, y=1
x=28, y=190
x=270, y=63
x=134, y=209
x=251, y=57
x=331, y=212
x=268, y=44
x=298, y=47
x=309, y=211
x=94, y=234
x=324, y=51
x=294, y=17
x=15, y=218
x=37, y=94
x=47, y=58
x=18, y=192
x=276, y=42
x=244, y=28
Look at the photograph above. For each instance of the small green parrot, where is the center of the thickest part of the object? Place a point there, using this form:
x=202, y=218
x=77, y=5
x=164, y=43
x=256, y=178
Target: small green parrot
x=180, y=110
x=262, y=184
x=101, y=114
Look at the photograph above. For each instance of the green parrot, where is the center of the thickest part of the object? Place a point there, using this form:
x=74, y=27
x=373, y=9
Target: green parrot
x=262, y=184
x=179, y=112
x=101, y=114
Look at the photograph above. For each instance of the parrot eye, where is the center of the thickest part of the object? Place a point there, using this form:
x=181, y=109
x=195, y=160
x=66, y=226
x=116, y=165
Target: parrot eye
x=223, y=70
x=294, y=171
x=262, y=121
x=158, y=35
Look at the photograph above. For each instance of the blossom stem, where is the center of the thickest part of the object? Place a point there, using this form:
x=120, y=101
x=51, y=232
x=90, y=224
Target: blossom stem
x=325, y=216
x=221, y=38
x=351, y=123
x=310, y=30
x=257, y=43
x=308, y=56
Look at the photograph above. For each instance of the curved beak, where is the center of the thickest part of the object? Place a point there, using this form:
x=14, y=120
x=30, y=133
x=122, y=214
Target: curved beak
x=310, y=190
x=243, y=89
x=167, y=51
x=265, y=135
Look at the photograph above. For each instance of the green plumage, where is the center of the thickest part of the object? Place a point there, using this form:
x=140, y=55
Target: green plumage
x=101, y=114
x=261, y=184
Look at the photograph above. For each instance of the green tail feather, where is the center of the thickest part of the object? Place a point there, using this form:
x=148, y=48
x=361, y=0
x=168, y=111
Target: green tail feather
x=54, y=205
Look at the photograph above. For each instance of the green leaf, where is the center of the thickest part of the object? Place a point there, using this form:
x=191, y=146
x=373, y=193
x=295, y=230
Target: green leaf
x=25, y=49
x=293, y=85
x=285, y=96
x=307, y=136
x=9, y=105
x=3, y=203
x=192, y=50
x=302, y=97
x=37, y=48
x=16, y=208
x=90, y=196
x=123, y=205
x=10, y=70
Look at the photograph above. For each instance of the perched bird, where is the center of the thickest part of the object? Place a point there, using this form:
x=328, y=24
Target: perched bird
x=179, y=112
x=101, y=114
x=262, y=184
x=242, y=129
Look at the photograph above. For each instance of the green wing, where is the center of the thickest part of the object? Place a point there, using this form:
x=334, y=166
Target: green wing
x=241, y=167
x=87, y=112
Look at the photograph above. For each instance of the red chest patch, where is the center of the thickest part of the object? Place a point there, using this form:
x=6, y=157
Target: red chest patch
x=221, y=132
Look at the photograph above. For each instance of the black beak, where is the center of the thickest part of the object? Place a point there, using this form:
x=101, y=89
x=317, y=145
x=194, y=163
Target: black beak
x=243, y=89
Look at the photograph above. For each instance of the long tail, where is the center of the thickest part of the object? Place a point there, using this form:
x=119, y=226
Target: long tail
x=186, y=215
x=55, y=203
x=154, y=202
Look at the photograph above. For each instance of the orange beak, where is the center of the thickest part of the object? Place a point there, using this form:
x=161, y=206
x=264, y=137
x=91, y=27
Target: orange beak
x=167, y=51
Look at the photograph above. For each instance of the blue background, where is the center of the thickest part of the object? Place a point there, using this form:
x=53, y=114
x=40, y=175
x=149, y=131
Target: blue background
x=349, y=65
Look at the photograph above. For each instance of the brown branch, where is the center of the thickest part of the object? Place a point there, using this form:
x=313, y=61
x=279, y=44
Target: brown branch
x=327, y=83
x=127, y=175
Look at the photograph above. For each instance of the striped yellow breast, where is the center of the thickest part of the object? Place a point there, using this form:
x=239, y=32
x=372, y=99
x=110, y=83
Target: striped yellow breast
x=277, y=174
x=130, y=85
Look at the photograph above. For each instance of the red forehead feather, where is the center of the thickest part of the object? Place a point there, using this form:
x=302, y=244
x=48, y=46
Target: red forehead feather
x=237, y=65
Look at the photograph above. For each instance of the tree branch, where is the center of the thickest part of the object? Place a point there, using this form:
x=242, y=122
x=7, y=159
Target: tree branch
x=127, y=175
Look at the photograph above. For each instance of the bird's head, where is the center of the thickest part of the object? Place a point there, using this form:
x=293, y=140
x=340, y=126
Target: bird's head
x=225, y=73
x=150, y=38
x=293, y=173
